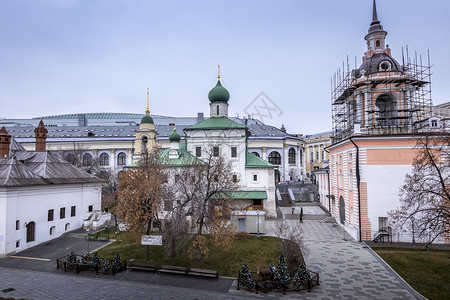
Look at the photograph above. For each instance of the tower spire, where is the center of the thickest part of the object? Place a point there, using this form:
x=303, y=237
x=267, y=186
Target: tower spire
x=147, y=111
x=375, y=15
x=375, y=25
x=218, y=72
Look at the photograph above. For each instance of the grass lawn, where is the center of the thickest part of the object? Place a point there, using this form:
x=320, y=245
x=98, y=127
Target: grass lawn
x=428, y=272
x=249, y=249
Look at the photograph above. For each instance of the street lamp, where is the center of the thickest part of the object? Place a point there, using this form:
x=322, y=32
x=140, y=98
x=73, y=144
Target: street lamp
x=257, y=213
x=88, y=230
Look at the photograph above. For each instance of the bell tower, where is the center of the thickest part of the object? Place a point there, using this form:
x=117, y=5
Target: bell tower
x=146, y=135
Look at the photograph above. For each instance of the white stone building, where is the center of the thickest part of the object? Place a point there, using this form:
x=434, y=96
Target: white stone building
x=42, y=196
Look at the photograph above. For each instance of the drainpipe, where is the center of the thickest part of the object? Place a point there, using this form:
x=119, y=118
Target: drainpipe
x=358, y=181
x=329, y=185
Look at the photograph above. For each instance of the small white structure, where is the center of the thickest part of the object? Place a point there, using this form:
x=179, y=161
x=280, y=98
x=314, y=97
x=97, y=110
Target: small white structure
x=41, y=196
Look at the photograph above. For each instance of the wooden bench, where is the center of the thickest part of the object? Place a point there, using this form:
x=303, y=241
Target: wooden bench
x=143, y=267
x=203, y=272
x=91, y=237
x=103, y=237
x=173, y=269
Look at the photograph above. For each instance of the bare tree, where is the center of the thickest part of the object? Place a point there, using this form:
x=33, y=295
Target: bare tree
x=292, y=243
x=141, y=193
x=425, y=196
x=204, y=193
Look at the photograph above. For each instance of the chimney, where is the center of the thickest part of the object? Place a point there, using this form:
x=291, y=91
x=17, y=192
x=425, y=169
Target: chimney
x=200, y=117
x=40, y=134
x=5, y=142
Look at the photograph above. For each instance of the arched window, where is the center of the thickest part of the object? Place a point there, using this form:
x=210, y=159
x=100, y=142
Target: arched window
x=52, y=230
x=87, y=160
x=217, y=109
x=67, y=227
x=292, y=156
x=144, y=144
x=385, y=115
x=342, y=209
x=104, y=159
x=275, y=158
x=70, y=158
x=31, y=228
x=256, y=154
x=121, y=159
x=377, y=44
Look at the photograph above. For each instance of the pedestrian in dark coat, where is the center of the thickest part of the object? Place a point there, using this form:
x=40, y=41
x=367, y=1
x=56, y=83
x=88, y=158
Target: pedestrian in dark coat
x=301, y=214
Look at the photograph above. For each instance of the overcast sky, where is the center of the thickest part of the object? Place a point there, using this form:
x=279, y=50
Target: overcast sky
x=73, y=56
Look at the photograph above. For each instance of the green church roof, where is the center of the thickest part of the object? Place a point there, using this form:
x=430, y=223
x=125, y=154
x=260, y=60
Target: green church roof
x=253, y=161
x=216, y=123
x=218, y=93
x=147, y=120
x=174, y=136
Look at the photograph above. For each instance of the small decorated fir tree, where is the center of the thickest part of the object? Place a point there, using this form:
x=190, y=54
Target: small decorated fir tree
x=72, y=257
x=95, y=258
x=246, y=277
x=282, y=273
x=301, y=275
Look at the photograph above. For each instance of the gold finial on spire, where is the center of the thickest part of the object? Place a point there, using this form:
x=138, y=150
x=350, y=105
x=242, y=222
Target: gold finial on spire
x=147, y=111
x=218, y=72
x=174, y=124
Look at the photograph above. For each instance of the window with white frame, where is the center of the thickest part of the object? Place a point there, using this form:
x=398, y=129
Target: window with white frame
x=121, y=159
x=341, y=179
x=350, y=158
x=275, y=158
x=104, y=160
x=292, y=156
x=233, y=151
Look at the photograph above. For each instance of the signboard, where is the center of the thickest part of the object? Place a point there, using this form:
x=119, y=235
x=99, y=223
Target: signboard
x=152, y=240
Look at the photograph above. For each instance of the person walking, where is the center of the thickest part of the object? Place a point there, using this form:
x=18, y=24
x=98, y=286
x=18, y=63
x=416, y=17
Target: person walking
x=301, y=214
x=293, y=209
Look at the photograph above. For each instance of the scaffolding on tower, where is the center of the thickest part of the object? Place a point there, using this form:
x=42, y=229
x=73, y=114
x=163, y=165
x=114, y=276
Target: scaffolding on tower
x=383, y=102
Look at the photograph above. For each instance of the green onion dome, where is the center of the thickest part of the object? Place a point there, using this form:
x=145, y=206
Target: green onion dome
x=147, y=120
x=218, y=94
x=174, y=136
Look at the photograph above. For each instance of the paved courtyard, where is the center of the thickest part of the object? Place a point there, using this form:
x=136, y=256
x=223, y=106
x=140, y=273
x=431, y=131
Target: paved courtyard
x=348, y=270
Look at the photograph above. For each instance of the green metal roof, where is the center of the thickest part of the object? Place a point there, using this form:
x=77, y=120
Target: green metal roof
x=185, y=159
x=253, y=161
x=216, y=123
x=243, y=195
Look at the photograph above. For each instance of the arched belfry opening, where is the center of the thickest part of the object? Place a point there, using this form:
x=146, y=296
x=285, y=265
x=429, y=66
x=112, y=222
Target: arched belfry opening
x=386, y=111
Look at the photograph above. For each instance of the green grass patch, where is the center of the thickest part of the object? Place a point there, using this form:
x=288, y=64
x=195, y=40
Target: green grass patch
x=428, y=272
x=250, y=249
